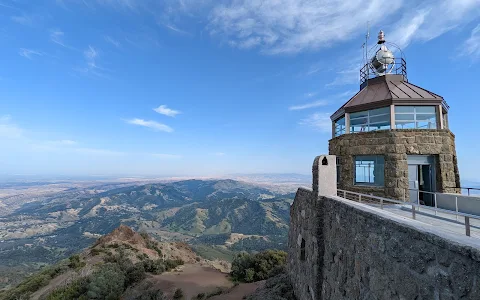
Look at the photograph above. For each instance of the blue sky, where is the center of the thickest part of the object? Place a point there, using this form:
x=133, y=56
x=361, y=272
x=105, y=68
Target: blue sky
x=123, y=87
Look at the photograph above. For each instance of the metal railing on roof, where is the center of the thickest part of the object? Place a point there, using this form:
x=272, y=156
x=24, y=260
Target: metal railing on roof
x=399, y=68
x=371, y=199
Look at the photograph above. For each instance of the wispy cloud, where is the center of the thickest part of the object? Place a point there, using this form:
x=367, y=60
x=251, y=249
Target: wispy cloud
x=96, y=151
x=150, y=124
x=91, y=55
x=112, y=41
x=292, y=26
x=166, y=156
x=7, y=6
x=426, y=20
x=62, y=143
x=318, y=121
x=8, y=129
x=23, y=19
x=219, y=154
x=57, y=36
x=29, y=53
x=318, y=103
x=309, y=105
x=164, y=110
x=176, y=29
x=471, y=47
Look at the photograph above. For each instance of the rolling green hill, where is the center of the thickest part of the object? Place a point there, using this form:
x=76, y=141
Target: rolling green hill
x=225, y=214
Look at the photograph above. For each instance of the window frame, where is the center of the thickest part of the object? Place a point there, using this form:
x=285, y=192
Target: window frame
x=377, y=164
x=368, y=117
x=340, y=129
x=415, y=121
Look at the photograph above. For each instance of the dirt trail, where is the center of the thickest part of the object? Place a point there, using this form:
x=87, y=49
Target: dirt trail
x=193, y=279
x=239, y=291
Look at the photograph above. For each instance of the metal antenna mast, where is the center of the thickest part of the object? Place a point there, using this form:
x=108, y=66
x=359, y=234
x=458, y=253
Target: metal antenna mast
x=367, y=36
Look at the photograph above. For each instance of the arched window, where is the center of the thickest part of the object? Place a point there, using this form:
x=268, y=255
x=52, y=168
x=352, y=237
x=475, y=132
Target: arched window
x=302, y=250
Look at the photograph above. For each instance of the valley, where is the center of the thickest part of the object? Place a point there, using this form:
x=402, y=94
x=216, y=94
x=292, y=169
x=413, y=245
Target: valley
x=217, y=217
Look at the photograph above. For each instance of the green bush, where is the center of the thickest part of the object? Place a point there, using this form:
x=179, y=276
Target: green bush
x=107, y=283
x=152, y=295
x=201, y=296
x=96, y=251
x=178, y=294
x=134, y=274
x=35, y=282
x=75, y=290
x=75, y=262
x=254, y=267
x=159, y=266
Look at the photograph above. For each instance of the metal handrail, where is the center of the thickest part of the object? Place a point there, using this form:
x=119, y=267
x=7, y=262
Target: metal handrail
x=464, y=188
x=415, y=206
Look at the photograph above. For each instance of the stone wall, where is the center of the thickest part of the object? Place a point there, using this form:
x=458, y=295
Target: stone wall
x=395, y=145
x=355, y=251
x=306, y=218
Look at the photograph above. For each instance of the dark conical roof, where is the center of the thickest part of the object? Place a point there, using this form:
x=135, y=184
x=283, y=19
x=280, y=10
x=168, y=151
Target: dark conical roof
x=385, y=90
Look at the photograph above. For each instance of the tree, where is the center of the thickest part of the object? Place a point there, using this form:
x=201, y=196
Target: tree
x=178, y=294
x=254, y=267
x=107, y=283
x=134, y=274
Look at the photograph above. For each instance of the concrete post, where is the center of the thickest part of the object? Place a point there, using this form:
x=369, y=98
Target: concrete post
x=325, y=175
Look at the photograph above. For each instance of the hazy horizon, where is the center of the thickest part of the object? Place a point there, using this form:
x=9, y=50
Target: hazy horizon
x=207, y=88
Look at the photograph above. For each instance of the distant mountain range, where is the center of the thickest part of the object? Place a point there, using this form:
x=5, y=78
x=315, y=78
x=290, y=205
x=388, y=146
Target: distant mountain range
x=225, y=215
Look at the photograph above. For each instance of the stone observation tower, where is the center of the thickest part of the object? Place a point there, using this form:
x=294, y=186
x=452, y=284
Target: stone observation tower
x=392, y=139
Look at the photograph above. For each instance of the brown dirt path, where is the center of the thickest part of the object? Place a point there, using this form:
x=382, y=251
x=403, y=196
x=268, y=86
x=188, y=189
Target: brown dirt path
x=241, y=290
x=193, y=279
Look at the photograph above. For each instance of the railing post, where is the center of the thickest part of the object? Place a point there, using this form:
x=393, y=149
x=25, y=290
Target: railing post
x=435, y=199
x=345, y=194
x=467, y=226
x=413, y=211
x=381, y=203
x=456, y=208
x=404, y=195
x=359, y=198
x=418, y=199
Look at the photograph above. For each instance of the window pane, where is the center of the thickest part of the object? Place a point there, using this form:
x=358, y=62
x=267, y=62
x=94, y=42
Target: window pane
x=404, y=109
x=340, y=121
x=404, y=117
x=380, y=119
x=358, y=114
x=425, y=109
x=380, y=126
x=426, y=125
x=369, y=170
x=422, y=117
x=358, y=121
x=380, y=111
x=405, y=125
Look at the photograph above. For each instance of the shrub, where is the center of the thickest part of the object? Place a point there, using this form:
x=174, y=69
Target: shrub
x=201, y=296
x=75, y=290
x=152, y=295
x=178, y=294
x=107, y=283
x=260, y=266
x=134, y=274
x=96, y=251
x=75, y=262
x=216, y=292
x=35, y=282
x=159, y=266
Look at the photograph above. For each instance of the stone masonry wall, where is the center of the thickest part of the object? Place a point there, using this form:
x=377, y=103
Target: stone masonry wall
x=306, y=274
x=354, y=251
x=395, y=145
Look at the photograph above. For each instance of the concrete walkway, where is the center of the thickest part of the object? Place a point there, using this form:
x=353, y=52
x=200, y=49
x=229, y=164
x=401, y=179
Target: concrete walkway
x=441, y=220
